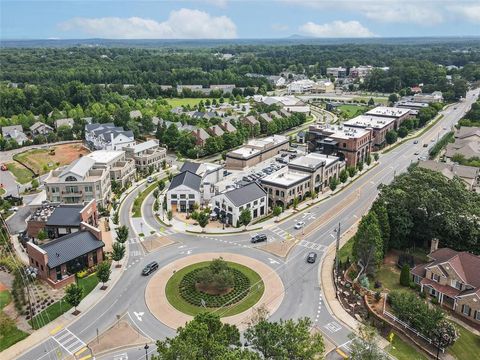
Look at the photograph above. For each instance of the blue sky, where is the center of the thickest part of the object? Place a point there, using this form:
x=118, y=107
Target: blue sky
x=157, y=19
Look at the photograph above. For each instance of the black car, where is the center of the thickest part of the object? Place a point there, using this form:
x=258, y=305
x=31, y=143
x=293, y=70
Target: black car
x=311, y=257
x=258, y=238
x=147, y=270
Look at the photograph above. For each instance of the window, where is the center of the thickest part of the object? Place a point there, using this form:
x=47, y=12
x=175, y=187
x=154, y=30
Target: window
x=183, y=196
x=262, y=200
x=277, y=192
x=230, y=209
x=217, y=203
x=71, y=178
x=432, y=292
x=255, y=203
x=466, y=310
x=54, y=190
x=435, y=277
x=457, y=284
x=477, y=315
x=191, y=196
x=240, y=208
x=88, y=189
x=174, y=196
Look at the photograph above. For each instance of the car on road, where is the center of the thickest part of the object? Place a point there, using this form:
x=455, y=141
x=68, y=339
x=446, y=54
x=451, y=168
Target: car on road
x=415, y=141
x=299, y=225
x=433, y=140
x=258, y=238
x=149, y=268
x=422, y=158
x=3, y=167
x=311, y=257
x=13, y=209
x=416, y=153
x=150, y=180
x=425, y=145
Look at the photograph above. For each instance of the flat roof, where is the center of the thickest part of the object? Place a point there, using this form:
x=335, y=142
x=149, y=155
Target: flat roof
x=285, y=177
x=145, y=146
x=376, y=122
x=105, y=156
x=314, y=160
x=245, y=151
x=341, y=132
x=388, y=111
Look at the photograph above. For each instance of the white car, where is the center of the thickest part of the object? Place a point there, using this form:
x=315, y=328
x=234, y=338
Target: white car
x=299, y=225
x=150, y=180
x=13, y=209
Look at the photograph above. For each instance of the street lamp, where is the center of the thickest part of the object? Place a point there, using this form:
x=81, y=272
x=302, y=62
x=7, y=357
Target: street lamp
x=146, y=351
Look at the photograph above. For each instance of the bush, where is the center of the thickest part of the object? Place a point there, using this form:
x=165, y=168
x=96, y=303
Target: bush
x=82, y=274
x=405, y=259
x=405, y=276
x=364, y=281
x=378, y=296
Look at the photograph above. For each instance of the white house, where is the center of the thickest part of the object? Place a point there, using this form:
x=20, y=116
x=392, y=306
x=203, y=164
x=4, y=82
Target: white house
x=108, y=137
x=229, y=205
x=184, y=191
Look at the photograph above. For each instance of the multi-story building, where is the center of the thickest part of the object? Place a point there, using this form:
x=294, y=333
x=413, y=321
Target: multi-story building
x=14, y=132
x=210, y=173
x=184, y=192
x=256, y=151
x=399, y=115
x=352, y=145
x=229, y=204
x=40, y=128
x=79, y=182
x=452, y=278
x=434, y=97
x=147, y=154
x=379, y=125
x=285, y=185
x=321, y=169
x=121, y=169
x=108, y=137
x=337, y=72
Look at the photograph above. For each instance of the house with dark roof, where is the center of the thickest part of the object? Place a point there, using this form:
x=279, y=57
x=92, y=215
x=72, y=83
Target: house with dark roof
x=108, y=137
x=452, y=277
x=229, y=205
x=59, y=260
x=201, y=136
x=184, y=192
x=250, y=121
x=61, y=219
x=215, y=130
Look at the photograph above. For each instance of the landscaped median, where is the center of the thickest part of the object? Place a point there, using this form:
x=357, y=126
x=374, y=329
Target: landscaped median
x=138, y=202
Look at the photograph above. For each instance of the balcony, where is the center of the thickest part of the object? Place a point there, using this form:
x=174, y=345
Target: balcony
x=72, y=193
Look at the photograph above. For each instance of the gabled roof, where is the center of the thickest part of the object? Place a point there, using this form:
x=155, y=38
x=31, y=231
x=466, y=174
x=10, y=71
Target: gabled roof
x=216, y=130
x=62, y=122
x=201, y=134
x=39, y=124
x=6, y=130
x=79, y=167
x=250, y=120
x=145, y=146
x=70, y=247
x=266, y=117
x=190, y=166
x=245, y=194
x=186, y=178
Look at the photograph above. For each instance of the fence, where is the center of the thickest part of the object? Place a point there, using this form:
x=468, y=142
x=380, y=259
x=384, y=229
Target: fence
x=406, y=326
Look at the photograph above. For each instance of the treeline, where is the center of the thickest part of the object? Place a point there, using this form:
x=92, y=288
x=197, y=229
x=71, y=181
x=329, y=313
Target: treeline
x=472, y=117
x=417, y=207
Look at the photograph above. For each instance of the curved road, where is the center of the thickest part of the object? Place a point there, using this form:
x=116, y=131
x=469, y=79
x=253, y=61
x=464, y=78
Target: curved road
x=303, y=296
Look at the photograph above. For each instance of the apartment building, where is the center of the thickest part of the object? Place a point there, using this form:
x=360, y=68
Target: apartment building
x=284, y=186
x=108, y=137
x=399, y=115
x=229, y=205
x=337, y=72
x=121, y=169
x=147, y=154
x=256, y=151
x=379, y=125
x=351, y=145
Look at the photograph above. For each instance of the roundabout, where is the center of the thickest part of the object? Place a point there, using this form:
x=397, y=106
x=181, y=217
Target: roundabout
x=176, y=292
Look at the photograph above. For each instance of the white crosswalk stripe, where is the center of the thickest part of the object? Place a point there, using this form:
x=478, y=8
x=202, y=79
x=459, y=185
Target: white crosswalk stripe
x=333, y=326
x=135, y=253
x=136, y=240
x=312, y=245
x=67, y=340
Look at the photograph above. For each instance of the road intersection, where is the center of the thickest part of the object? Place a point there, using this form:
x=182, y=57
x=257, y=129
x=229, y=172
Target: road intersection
x=303, y=295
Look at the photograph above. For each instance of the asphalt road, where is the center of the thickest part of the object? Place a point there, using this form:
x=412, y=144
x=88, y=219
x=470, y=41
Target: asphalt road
x=303, y=295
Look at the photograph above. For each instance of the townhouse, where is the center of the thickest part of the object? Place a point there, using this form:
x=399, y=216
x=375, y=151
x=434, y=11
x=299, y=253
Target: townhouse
x=108, y=137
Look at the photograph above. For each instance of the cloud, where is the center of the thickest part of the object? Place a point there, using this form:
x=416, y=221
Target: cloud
x=336, y=29
x=181, y=24
x=280, y=27
x=423, y=12
x=470, y=12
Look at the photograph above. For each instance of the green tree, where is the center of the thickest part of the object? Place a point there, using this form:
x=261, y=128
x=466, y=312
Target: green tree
x=333, y=183
x=203, y=338
x=313, y=195
x=295, y=203
x=391, y=137
x=364, y=346
x=245, y=217
x=73, y=295
x=161, y=185
x=360, y=165
x=203, y=219
x=382, y=216
x=405, y=275
x=35, y=184
x=352, y=171
x=393, y=98
x=444, y=335
x=343, y=176
x=169, y=215
x=376, y=156
x=104, y=272
x=42, y=235
x=115, y=218
x=371, y=102
x=368, y=244
x=122, y=234
x=277, y=210
x=118, y=252
x=286, y=339
x=402, y=131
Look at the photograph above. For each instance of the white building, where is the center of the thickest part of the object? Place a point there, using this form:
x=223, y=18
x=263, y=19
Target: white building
x=14, y=132
x=210, y=173
x=229, y=205
x=108, y=137
x=289, y=103
x=184, y=191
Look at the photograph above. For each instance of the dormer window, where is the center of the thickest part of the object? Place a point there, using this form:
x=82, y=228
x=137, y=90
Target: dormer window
x=435, y=277
x=457, y=284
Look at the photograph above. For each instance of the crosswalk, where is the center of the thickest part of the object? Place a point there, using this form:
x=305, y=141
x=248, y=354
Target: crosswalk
x=136, y=240
x=280, y=232
x=333, y=326
x=71, y=343
x=312, y=245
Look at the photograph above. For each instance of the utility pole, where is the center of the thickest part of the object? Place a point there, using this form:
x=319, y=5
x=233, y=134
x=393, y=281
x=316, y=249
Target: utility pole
x=337, y=248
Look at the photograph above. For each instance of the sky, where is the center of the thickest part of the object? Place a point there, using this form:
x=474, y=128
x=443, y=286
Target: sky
x=230, y=19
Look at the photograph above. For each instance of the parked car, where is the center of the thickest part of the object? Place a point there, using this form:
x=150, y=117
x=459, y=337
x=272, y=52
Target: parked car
x=415, y=141
x=149, y=268
x=416, y=153
x=13, y=209
x=299, y=225
x=258, y=238
x=311, y=257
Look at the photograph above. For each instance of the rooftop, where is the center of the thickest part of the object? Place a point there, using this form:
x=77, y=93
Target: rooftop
x=105, y=156
x=314, y=160
x=79, y=167
x=186, y=178
x=150, y=144
x=387, y=111
x=285, y=177
x=245, y=194
x=375, y=122
x=340, y=132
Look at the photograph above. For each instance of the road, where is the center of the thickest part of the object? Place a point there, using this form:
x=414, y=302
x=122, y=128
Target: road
x=303, y=295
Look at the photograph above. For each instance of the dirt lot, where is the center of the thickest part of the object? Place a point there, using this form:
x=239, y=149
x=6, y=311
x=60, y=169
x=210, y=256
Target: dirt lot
x=44, y=160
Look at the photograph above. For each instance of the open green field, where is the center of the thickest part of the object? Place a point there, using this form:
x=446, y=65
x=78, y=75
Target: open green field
x=403, y=350
x=174, y=102
x=21, y=173
x=10, y=334
x=466, y=346
x=177, y=301
x=350, y=111
x=60, y=307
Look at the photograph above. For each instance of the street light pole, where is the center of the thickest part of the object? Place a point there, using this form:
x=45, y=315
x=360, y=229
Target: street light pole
x=337, y=248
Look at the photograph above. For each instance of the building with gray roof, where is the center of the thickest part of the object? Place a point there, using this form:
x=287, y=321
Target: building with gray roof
x=108, y=137
x=14, y=132
x=184, y=192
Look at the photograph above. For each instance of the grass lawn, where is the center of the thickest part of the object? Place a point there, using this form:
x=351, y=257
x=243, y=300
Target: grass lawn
x=21, y=173
x=177, y=301
x=60, y=307
x=174, y=102
x=403, y=350
x=389, y=276
x=346, y=251
x=350, y=111
x=10, y=333
x=466, y=346
x=2, y=191
x=137, y=203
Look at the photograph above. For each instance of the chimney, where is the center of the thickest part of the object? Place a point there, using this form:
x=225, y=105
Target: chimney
x=95, y=231
x=434, y=245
